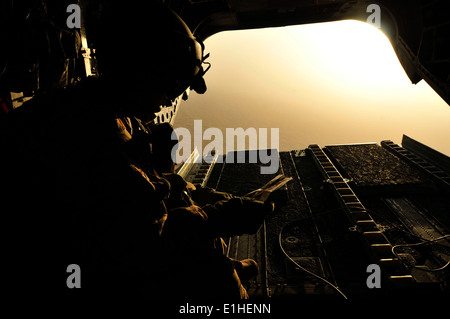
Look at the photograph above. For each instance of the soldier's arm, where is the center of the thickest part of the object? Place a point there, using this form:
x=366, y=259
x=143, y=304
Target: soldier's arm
x=236, y=216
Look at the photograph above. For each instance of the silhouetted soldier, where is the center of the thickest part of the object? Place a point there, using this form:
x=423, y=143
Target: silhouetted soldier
x=78, y=179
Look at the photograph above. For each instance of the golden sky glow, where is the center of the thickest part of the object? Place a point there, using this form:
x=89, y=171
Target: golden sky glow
x=328, y=83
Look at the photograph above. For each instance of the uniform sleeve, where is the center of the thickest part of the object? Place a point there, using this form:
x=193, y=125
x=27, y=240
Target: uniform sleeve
x=236, y=216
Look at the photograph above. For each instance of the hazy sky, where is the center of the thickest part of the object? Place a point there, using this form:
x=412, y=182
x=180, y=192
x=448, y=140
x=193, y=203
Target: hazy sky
x=328, y=83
